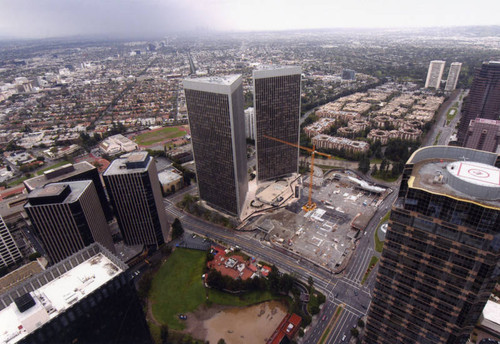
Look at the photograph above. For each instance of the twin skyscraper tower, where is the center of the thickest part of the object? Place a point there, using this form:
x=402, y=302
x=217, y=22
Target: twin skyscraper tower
x=217, y=123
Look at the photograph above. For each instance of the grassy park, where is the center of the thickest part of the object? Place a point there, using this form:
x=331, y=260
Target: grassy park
x=177, y=288
x=160, y=135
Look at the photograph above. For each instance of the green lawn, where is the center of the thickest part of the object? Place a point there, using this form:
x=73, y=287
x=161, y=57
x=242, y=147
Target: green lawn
x=177, y=287
x=160, y=135
x=56, y=165
x=221, y=298
x=17, y=181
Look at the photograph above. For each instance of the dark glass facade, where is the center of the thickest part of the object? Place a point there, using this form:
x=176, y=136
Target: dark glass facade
x=437, y=270
x=484, y=97
x=134, y=191
x=67, y=221
x=277, y=112
x=112, y=313
x=80, y=171
x=218, y=136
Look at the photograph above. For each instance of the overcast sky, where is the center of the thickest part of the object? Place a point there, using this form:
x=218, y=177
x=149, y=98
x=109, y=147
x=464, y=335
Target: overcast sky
x=133, y=18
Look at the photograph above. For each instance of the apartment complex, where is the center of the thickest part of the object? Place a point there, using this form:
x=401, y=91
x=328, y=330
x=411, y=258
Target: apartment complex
x=453, y=74
x=277, y=114
x=66, y=217
x=134, y=190
x=434, y=74
x=439, y=263
x=217, y=123
x=484, y=97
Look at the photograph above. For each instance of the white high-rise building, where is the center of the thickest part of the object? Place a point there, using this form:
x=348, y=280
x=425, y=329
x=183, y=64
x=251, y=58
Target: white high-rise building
x=435, y=74
x=250, y=123
x=451, y=82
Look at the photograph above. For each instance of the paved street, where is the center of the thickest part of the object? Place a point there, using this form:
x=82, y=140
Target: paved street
x=344, y=288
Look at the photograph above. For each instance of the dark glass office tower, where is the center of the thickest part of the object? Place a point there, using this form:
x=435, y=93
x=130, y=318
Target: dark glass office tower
x=73, y=172
x=217, y=123
x=442, y=249
x=277, y=114
x=66, y=217
x=134, y=190
x=484, y=97
x=88, y=297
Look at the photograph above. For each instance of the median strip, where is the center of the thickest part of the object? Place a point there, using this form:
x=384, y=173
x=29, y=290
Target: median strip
x=331, y=324
x=372, y=264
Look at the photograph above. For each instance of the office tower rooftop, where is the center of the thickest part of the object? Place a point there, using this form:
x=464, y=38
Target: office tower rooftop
x=434, y=74
x=277, y=114
x=84, y=298
x=483, y=134
x=73, y=172
x=67, y=217
x=442, y=247
x=483, y=100
x=217, y=125
x=134, y=190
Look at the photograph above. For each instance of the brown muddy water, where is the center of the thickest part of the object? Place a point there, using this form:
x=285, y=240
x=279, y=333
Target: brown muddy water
x=245, y=325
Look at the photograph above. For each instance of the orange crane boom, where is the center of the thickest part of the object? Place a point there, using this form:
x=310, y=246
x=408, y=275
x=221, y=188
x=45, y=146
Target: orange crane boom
x=310, y=204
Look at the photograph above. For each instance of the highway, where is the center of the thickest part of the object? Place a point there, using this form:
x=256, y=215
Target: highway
x=344, y=288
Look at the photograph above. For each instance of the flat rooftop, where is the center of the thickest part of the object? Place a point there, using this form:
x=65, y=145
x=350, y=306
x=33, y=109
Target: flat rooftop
x=56, y=296
x=64, y=192
x=136, y=162
x=214, y=84
x=272, y=71
x=58, y=174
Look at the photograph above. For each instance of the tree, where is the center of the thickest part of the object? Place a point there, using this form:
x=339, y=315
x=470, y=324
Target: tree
x=177, y=230
x=310, y=281
x=361, y=323
x=354, y=332
x=364, y=164
x=374, y=170
x=221, y=341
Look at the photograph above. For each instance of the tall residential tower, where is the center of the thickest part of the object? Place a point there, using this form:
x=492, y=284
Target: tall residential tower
x=483, y=100
x=134, y=190
x=442, y=249
x=277, y=114
x=434, y=74
x=217, y=123
x=453, y=73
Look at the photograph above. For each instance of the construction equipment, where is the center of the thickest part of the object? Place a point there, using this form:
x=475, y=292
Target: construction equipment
x=310, y=205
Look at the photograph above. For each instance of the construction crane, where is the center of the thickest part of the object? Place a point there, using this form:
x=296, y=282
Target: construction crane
x=310, y=205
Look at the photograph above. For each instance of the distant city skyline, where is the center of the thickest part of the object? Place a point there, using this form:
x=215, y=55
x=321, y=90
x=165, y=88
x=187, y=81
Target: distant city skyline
x=132, y=18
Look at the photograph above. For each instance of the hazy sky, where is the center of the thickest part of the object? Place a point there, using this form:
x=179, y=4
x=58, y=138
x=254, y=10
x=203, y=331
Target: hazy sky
x=52, y=18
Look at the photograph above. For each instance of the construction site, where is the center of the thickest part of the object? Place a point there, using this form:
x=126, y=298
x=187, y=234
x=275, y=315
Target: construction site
x=322, y=228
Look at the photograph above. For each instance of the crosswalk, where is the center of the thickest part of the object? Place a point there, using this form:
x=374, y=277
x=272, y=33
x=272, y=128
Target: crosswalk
x=172, y=209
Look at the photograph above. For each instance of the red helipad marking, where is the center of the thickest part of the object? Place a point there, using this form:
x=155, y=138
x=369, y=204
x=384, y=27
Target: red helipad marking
x=479, y=173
